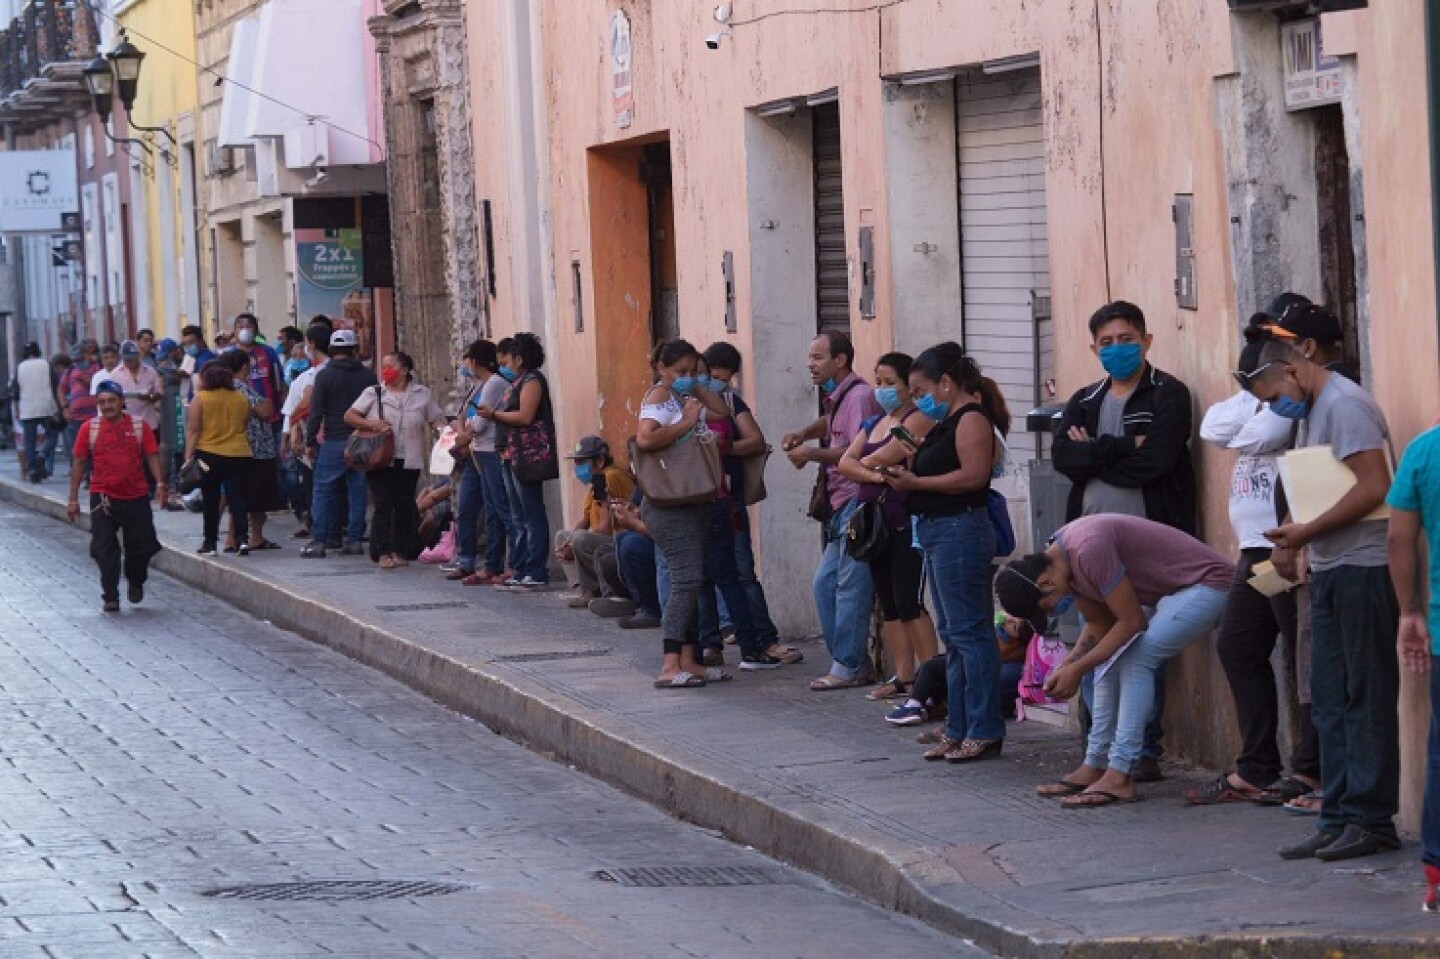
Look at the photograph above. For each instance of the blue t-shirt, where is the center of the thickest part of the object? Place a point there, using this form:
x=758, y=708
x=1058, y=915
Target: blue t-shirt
x=1417, y=490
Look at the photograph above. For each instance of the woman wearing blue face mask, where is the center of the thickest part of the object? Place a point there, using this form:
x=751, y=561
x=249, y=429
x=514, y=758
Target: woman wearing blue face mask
x=908, y=632
x=947, y=493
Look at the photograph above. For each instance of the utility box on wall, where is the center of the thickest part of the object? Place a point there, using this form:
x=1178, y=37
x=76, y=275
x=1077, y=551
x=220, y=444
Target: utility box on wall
x=1183, y=213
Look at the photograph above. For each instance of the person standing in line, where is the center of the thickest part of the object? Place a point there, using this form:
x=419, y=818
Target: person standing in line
x=842, y=586
x=948, y=493
x=35, y=381
x=527, y=402
x=266, y=374
x=293, y=443
x=404, y=408
x=110, y=449
x=142, y=385
x=1252, y=620
x=481, y=487
x=262, y=480
x=335, y=390
x=77, y=403
x=145, y=339
x=1415, y=518
x=1124, y=444
x=1354, y=614
x=109, y=363
x=215, y=436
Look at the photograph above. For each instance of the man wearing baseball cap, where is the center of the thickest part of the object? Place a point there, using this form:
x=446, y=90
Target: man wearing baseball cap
x=1315, y=330
x=588, y=551
x=1111, y=566
x=336, y=389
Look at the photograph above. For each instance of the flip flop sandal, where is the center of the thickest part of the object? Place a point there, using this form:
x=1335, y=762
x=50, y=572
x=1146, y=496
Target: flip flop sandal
x=1220, y=790
x=827, y=683
x=681, y=680
x=1283, y=791
x=1306, y=805
x=894, y=686
x=715, y=674
x=1106, y=799
x=1060, y=788
x=266, y=544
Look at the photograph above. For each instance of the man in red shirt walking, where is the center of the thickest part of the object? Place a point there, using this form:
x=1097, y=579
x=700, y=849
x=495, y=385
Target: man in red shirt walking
x=116, y=447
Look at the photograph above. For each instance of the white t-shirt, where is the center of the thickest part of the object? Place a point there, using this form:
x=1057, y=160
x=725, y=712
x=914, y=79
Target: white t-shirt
x=667, y=413
x=1243, y=424
x=298, y=386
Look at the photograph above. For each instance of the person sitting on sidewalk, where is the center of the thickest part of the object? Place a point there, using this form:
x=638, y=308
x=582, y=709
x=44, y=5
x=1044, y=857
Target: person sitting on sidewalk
x=1415, y=509
x=635, y=557
x=928, y=695
x=1111, y=566
x=114, y=447
x=587, y=552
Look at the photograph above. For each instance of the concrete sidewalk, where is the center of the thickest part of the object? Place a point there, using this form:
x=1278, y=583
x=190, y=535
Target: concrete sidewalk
x=820, y=781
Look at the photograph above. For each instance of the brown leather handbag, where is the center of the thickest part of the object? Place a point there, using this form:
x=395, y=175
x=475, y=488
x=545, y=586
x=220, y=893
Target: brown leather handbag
x=685, y=473
x=368, y=450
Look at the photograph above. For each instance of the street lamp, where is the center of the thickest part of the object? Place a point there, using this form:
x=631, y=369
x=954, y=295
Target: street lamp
x=127, y=59
x=100, y=81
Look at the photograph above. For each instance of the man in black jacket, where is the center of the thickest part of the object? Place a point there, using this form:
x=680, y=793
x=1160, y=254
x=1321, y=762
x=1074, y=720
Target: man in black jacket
x=1124, y=443
x=336, y=388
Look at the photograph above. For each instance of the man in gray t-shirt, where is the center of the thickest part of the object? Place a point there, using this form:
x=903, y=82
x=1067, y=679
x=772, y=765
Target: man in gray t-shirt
x=1103, y=497
x=1354, y=617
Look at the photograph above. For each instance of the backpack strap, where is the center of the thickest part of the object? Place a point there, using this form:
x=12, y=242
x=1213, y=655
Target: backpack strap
x=94, y=432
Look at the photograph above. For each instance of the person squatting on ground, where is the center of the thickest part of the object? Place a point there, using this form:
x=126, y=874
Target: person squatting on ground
x=112, y=449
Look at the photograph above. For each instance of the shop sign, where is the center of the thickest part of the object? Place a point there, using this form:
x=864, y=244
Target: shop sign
x=332, y=281
x=37, y=190
x=1312, y=79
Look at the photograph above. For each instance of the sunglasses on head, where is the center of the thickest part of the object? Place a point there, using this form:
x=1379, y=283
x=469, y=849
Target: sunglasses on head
x=1247, y=380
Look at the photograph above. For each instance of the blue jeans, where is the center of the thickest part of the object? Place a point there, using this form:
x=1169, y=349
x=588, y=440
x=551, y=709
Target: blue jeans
x=1125, y=695
x=843, y=594
x=468, y=502
x=331, y=475
x=722, y=576
x=1154, y=729
x=635, y=555
x=754, y=592
x=958, y=553
x=42, y=459
x=1430, y=817
x=1354, y=683
x=500, y=523
x=527, y=504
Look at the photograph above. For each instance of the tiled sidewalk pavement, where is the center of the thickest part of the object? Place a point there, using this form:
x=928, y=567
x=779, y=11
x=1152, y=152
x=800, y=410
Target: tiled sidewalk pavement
x=185, y=746
x=820, y=780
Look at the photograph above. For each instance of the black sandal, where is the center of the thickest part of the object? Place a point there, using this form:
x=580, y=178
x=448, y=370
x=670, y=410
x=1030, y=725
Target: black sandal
x=894, y=686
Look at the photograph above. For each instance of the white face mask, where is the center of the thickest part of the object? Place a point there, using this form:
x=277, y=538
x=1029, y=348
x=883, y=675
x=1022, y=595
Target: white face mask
x=246, y=336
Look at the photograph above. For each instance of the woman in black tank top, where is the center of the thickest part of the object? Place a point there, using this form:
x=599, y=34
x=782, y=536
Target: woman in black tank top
x=947, y=494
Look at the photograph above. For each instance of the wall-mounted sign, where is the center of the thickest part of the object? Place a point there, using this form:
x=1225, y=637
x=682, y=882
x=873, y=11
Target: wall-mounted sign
x=332, y=281
x=620, y=69
x=37, y=189
x=1311, y=78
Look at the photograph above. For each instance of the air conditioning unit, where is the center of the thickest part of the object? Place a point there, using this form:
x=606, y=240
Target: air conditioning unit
x=219, y=160
x=1299, y=6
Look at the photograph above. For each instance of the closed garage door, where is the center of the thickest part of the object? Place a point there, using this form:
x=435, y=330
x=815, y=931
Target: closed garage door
x=832, y=273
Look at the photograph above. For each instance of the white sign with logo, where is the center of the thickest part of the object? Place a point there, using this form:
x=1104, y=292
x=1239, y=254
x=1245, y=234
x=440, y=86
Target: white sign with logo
x=1311, y=78
x=37, y=189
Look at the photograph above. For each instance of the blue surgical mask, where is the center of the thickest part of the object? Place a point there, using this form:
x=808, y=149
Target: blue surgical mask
x=1289, y=407
x=932, y=407
x=294, y=368
x=507, y=374
x=192, y=350
x=584, y=473
x=684, y=385
x=829, y=385
x=1066, y=604
x=464, y=372
x=1121, y=360
x=888, y=397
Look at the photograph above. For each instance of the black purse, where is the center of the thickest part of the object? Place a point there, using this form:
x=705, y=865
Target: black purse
x=192, y=474
x=867, y=537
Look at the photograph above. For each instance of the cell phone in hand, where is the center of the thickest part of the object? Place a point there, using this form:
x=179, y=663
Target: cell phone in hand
x=905, y=436
x=600, y=488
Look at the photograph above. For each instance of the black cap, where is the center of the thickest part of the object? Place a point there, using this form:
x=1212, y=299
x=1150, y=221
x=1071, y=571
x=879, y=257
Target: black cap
x=1309, y=322
x=590, y=448
x=1018, y=592
x=1279, y=308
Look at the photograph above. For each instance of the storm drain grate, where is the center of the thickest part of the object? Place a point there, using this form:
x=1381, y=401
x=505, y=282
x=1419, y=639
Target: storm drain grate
x=336, y=890
x=656, y=877
x=551, y=657
x=419, y=607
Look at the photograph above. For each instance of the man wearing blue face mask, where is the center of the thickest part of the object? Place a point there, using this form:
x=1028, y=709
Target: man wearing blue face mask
x=587, y=552
x=1124, y=444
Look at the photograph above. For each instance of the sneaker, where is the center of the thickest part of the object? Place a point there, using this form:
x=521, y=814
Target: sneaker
x=907, y=716
x=640, y=621
x=581, y=600
x=526, y=584
x=209, y=549
x=612, y=607
x=313, y=551
x=762, y=661
x=353, y=549
x=452, y=567
x=135, y=593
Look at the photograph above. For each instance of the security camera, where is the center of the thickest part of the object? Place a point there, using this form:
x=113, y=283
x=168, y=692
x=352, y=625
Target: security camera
x=722, y=13
x=712, y=42
x=321, y=175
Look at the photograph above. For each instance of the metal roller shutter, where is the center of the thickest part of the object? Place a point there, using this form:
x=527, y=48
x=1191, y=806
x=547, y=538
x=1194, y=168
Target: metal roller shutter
x=1005, y=270
x=831, y=267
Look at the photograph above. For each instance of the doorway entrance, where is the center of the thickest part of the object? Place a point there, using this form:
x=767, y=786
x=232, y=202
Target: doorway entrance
x=1334, y=220
x=664, y=273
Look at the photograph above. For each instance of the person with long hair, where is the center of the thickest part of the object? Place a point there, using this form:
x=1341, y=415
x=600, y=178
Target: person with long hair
x=947, y=491
x=215, y=435
x=672, y=411
x=262, y=487
x=908, y=632
x=404, y=408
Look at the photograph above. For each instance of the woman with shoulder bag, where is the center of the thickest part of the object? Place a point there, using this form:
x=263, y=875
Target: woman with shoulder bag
x=948, y=493
x=404, y=408
x=262, y=487
x=896, y=565
x=673, y=414
x=530, y=453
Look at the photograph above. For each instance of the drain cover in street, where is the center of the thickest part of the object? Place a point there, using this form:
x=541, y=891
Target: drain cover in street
x=419, y=607
x=664, y=876
x=551, y=657
x=335, y=890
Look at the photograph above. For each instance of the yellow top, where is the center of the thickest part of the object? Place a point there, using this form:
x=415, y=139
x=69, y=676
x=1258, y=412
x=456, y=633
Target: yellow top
x=222, y=422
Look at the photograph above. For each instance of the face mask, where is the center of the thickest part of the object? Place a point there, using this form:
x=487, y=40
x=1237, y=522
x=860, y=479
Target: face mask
x=1289, y=407
x=888, y=397
x=390, y=375
x=464, y=373
x=192, y=350
x=507, y=374
x=584, y=473
x=684, y=385
x=1121, y=360
x=1066, y=604
x=932, y=408
x=294, y=368
x=246, y=336
x=829, y=385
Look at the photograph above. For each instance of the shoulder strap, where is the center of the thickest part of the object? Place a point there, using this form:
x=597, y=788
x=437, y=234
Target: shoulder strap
x=380, y=403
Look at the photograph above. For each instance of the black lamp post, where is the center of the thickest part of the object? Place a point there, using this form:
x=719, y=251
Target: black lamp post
x=127, y=58
x=100, y=81
x=119, y=71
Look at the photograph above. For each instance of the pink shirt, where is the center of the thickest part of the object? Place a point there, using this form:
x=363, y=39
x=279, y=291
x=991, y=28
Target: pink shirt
x=857, y=404
x=1158, y=560
x=144, y=380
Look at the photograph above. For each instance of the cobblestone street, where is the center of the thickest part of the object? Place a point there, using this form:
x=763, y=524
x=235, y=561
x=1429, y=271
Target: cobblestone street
x=183, y=747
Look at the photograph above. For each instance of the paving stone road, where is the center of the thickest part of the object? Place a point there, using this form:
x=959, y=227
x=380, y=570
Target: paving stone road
x=183, y=747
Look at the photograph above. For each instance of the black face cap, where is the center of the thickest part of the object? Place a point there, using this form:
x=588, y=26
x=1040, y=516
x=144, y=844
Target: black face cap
x=1281, y=306
x=1019, y=596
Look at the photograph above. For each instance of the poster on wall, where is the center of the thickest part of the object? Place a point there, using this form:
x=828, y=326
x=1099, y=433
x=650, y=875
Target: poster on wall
x=37, y=190
x=1312, y=78
x=622, y=91
x=332, y=281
